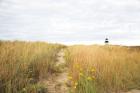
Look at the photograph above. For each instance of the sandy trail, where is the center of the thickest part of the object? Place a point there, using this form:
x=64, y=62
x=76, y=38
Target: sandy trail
x=57, y=83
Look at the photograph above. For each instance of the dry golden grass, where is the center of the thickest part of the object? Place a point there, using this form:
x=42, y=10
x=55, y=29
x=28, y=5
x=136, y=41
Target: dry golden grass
x=92, y=69
x=22, y=64
x=109, y=68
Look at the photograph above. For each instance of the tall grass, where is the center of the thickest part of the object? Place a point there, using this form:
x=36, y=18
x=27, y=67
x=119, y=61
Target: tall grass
x=103, y=69
x=22, y=64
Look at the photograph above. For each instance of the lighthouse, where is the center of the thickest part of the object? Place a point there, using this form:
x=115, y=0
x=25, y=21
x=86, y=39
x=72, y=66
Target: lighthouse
x=106, y=41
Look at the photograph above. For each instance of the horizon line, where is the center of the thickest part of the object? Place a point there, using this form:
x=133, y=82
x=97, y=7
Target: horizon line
x=74, y=43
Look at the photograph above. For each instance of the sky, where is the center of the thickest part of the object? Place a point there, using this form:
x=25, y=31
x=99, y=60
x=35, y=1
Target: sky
x=71, y=21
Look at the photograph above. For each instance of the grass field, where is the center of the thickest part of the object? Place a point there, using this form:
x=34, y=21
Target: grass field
x=91, y=69
x=103, y=69
x=22, y=64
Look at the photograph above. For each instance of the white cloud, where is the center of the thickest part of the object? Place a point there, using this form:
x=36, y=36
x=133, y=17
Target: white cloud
x=70, y=20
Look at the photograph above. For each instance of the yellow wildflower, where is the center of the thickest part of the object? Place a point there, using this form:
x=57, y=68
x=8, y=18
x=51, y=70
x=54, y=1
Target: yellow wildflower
x=75, y=85
x=92, y=70
x=80, y=74
x=89, y=78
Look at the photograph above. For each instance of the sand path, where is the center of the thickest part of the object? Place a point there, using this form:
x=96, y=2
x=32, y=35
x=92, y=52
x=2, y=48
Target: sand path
x=57, y=83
